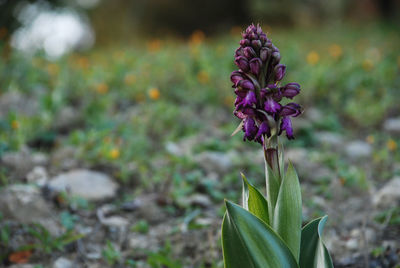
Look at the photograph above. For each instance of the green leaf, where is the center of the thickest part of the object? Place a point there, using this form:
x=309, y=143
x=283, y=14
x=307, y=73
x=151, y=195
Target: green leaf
x=313, y=252
x=272, y=183
x=249, y=242
x=254, y=201
x=288, y=216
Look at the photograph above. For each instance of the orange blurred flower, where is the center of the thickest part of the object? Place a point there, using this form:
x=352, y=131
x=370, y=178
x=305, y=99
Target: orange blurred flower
x=154, y=45
x=203, y=77
x=154, y=93
x=312, y=58
x=367, y=65
x=335, y=51
x=197, y=37
x=102, y=88
x=14, y=124
x=114, y=153
x=20, y=257
x=370, y=139
x=391, y=145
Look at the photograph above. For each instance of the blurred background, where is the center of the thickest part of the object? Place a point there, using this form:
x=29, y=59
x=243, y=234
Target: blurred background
x=115, y=123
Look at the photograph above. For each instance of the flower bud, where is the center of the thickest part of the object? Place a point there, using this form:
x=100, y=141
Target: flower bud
x=255, y=66
x=280, y=71
x=290, y=90
x=239, y=52
x=256, y=44
x=291, y=109
x=244, y=42
x=276, y=57
x=249, y=52
x=264, y=53
x=242, y=63
x=236, y=76
x=246, y=84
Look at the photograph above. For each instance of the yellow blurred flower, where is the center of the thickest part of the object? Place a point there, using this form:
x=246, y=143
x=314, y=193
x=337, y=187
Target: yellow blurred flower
x=229, y=100
x=391, y=145
x=114, y=153
x=83, y=62
x=102, y=88
x=14, y=124
x=197, y=37
x=335, y=51
x=154, y=93
x=154, y=45
x=203, y=77
x=367, y=65
x=370, y=139
x=312, y=58
x=130, y=79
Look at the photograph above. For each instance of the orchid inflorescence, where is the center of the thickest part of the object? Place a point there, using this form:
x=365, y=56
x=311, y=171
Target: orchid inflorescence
x=257, y=88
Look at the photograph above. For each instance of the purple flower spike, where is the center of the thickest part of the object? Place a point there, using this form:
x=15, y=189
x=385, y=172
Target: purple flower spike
x=286, y=125
x=280, y=71
x=258, y=90
x=291, y=109
x=255, y=66
x=271, y=106
x=250, y=129
x=291, y=90
x=242, y=63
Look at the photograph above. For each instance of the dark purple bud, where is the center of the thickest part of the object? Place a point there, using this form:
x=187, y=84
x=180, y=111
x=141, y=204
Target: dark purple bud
x=280, y=71
x=253, y=36
x=240, y=92
x=249, y=52
x=244, y=42
x=286, y=125
x=264, y=52
x=255, y=66
x=276, y=57
x=246, y=84
x=290, y=90
x=271, y=106
x=291, y=109
x=239, y=52
x=263, y=129
x=249, y=128
x=242, y=63
x=259, y=30
x=236, y=76
x=256, y=44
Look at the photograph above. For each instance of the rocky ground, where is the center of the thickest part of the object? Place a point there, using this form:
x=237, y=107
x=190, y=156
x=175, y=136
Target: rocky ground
x=59, y=212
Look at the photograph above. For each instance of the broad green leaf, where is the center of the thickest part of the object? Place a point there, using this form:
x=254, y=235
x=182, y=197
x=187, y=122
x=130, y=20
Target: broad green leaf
x=313, y=252
x=287, y=216
x=272, y=183
x=254, y=201
x=249, y=242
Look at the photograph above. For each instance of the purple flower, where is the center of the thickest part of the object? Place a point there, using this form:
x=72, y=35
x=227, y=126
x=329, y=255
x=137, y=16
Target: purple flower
x=236, y=77
x=291, y=90
x=264, y=52
x=271, y=106
x=249, y=52
x=249, y=128
x=286, y=125
x=290, y=109
x=255, y=66
x=249, y=100
x=246, y=84
x=263, y=129
x=280, y=71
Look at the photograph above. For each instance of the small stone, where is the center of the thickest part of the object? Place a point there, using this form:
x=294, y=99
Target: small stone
x=24, y=203
x=67, y=118
x=330, y=139
x=358, y=149
x=19, y=162
x=392, y=125
x=38, y=176
x=63, y=263
x=352, y=244
x=215, y=161
x=388, y=195
x=64, y=158
x=87, y=184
